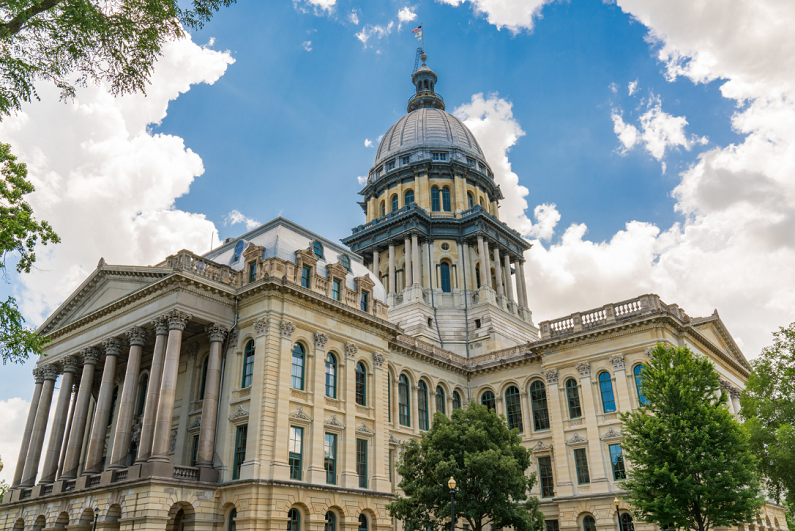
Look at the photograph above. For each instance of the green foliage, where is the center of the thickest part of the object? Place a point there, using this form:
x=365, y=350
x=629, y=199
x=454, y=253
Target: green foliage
x=690, y=461
x=3, y=489
x=488, y=463
x=768, y=405
x=71, y=42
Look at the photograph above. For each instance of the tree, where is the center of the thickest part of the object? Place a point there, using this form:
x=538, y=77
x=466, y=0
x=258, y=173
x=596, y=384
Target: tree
x=690, y=461
x=768, y=406
x=3, y=489
x=488, y=463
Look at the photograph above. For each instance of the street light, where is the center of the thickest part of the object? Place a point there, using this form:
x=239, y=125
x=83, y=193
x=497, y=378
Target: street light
x=618, y=515
x=96, y=515
x=451, y=484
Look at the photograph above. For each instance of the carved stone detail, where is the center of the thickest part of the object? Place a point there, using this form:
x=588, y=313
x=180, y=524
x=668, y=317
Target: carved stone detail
x=350, y=350
x=392, y=440
x=584, y=369
x=735, y=392
x=261, y=326
x=618, y=362
x=577, y=439
x=195, y=425
x=334, y=422
x=239, y=413
x=177, y=320
x=551, y=377
x=287, y=328
x=299, y=414
x=90, y=355
x=38, y=375
x=50, y=371
x=320, y=340
x=363, y=429
x=610, y=434
x=71, y=364
x=112, y=346
x=216, y=332
x=378, y=360
x=192, y=350
x=172, y=442
x=540, y=447
x=161, y=326
x=136, y=336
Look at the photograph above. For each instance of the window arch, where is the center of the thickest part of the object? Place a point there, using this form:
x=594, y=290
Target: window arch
x=440, y=400
x=637, y=372
x=456, y=400
x=446, y=199
x=297, y=373
x=408, y=197
x=470, y=200
x=606, y=390
x=513, y=408
x=435, y=199
x=383, y=208
x=248, y=364
x=362, y=522
x=205, y=364
x=538, y=400
x=422, y=405
x=482, y=203
x=573, y=396
x=331, y=375
x=293, y=520
x=487, y=399
x=403, y=401
x=588, y=523
x=394, y=202
x=317, y=247
x=626, y=522
x=361, y=384
x=331, y=522
x=232, y=524
x=143, y=386
x=444, y=274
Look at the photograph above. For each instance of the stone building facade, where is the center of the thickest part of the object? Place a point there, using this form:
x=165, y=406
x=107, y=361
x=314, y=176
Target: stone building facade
x=271, y=383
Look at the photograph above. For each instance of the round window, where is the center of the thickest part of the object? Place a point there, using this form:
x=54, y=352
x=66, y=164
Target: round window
x=445, y=246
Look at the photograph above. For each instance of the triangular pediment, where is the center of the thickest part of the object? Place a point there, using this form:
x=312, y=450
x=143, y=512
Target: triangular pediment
x=714, y=330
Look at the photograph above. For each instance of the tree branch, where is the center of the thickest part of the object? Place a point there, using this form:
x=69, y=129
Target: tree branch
x=15, y=25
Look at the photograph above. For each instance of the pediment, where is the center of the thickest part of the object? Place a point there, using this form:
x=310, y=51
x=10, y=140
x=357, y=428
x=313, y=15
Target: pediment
x=103, y=286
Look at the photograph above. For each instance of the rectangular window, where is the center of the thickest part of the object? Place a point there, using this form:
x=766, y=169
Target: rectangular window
x=391, y=463
x=390, y=165
x=617, y=461
x=389, y=396
x=581, y=462
x=305, y=276
x=440, y=156
x=361, y=462
x=365, y=301
x=545, y=475
x=552, y=525
x=470, y=162
x=405, y=160
x=252, y=271
x=296, y=447
x=240, y=450
x=194, y=454
x=336, y=289
x=330, y=458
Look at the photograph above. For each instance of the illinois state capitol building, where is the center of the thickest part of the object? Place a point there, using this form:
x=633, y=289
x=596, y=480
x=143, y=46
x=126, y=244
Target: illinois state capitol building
x=271, y=383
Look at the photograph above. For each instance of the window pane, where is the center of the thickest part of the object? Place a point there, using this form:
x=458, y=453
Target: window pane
x=331, y=522
x=552, y=525
x=305, y=274
x=545, y=475
x=617, y=462
x=440, y=399
x=296, y=445
x=435, y=199
x=538, y=399
x=331, y=376
x=581, y=462
x=589, y=524
x=444, y=273
x=297, y=377
x=456, y=400
x=335, y=290
x=641, y=397
x=606, y=388
x=409, y=197
x=293, y=520
x=361, y=462
x=487, y=399
x=446, y=199
x=513, y=408
x=403, y=401
x=422, y=405
x=362, y=523
x=361, y=384
x=318, y=249
x=573, y=395
x=330, y=458
x=248, y=365
x=240, y=450
x=626, y=522
x=394, y=203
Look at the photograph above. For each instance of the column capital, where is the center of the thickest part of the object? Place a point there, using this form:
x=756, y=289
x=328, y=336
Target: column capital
x=378, y=360
x=50, y=371
x=161, y=326
x=261, y=326
x=287, y=328
x=38, y=375
x=71, y=364
x=350, y=350
x=177, y=320
x=551, y=376
x=90, y=355
x=112, y=346
x=584, y=368
x=136, y=336
x=320, y=340
x=217, y=332
x=618, y=362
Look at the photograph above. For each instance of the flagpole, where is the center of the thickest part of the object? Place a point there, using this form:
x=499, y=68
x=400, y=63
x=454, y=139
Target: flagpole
x=423, y=37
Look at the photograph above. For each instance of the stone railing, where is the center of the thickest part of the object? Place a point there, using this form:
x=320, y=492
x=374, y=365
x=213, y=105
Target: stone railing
x=70, y=484
x=46, y=489
x=608, y=314
x=186, y=472
x=193, y=263
x=93, y=481
x=497, y=355
x=119, y=475
x=433, y=349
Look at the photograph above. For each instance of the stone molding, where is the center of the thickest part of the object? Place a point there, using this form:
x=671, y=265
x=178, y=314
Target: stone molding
x=551, y=376
x=618, y=362
x=239, y=413
x=38, y=375
x=287, y=328
x=299, y=414
x=261, y=326
x=195, y=425
x=363, y=429
x=350, y=350
x=584, y=369
x=610, y=434
x=576, y=440
x=334, y=422
x=217, y=332
x=378, y=360
x=90, y=355
x=136, y=336
x=540, y=447
x=177, y=320
x=71, y=364
x=112, y=346
x=320, y=340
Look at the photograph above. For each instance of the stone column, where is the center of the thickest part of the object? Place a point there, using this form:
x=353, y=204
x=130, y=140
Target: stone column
x=280, y=467
x=70, y=366
x=391, y=268
x=497, y=272
x=376, y=265
x=349, y=477
x=734, y=394
x=38, y=377
x=596, y=465
x=177, y=321
x=473, y=267
x=96, y=441
x=415, y=259
x=153, y=391
x=73, y=406
x=521, y=282
x=485, y=269
x=622, y=389
x=50, y=373
x=432, y=271
x=316, y=471
x=80, y=418
x=121, y=441
x=212, y=388
x=508, y=282
x=407, y=262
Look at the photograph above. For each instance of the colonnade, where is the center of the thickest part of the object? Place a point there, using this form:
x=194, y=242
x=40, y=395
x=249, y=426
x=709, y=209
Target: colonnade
x=480, y=261
x=72, y=411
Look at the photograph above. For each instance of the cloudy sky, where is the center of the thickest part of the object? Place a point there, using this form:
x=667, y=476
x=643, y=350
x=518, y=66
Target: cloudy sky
x=642, y=145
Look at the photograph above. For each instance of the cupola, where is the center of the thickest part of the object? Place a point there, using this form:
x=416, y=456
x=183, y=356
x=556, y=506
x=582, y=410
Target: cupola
x=425, y=95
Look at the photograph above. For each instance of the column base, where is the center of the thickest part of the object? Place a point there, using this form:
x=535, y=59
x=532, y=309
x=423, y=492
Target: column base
x=157, y=469
x=349, y=480
x=316, y=475
x=208, y=475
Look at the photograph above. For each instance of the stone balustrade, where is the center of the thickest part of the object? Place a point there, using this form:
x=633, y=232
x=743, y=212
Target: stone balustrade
x=187, y=261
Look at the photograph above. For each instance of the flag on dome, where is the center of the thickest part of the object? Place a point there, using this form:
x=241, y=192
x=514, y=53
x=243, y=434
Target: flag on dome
x=419, y=36
x=419, y=28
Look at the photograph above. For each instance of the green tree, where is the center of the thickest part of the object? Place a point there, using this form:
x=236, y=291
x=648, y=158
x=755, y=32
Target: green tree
x=3, y=489
x=488, y=463
x=690, y=461
x=768, y=406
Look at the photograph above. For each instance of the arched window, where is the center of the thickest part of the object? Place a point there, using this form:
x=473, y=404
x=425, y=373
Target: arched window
x=487, y=399
x=248, y=364
x=362, y=522
x=232, y=524
x=626, y=522
x=297, y=375
x=435, y=199
x=331, y=522
x=637, y=371
x=361, y=384
x=444, y=273
x=422, y=405
x=482, y=203
x=588, y=523
x=394, y=202
x=538, y=400
x=293, y=520
x=573, y=395
x=383, y=208
x=513, y=408
x=606, y=389
x=440, y=400
x=346, y=262
x=470, y=200
x=403, y=401
x=142, y=394
x=446, y=199
x=331, y=375
x=408, y=197
x=456, y=400
x=204, y=377
x=317, y=247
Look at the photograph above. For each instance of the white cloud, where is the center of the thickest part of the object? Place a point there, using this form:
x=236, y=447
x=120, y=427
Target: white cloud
x=362, y=180
x=633, y=86
x=13, y=414
x=105, y=183
x=307, y=46
x=353, y=16
x=405, y=15
x=379, y=32
x=319, y=7
x=628, y=134
x=613, y=88
x=515, y=15
x=235, y=217
x=368, y=143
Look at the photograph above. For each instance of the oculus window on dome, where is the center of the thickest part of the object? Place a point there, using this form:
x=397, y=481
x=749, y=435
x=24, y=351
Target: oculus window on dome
x=239, y=246
x=346, y=262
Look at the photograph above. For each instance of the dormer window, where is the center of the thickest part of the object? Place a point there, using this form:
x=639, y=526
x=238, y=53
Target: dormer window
x=252, y=271
x=404, y=161
x=365, y=302
x=390, y=165
x=238, y=250
x=439, y=156
x=306, y=275
x=317, y=248
x=346, y=262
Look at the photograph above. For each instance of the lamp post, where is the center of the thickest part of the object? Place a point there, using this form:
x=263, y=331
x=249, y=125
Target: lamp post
x=451, y=484
x=618, y=514
x=96, y=515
